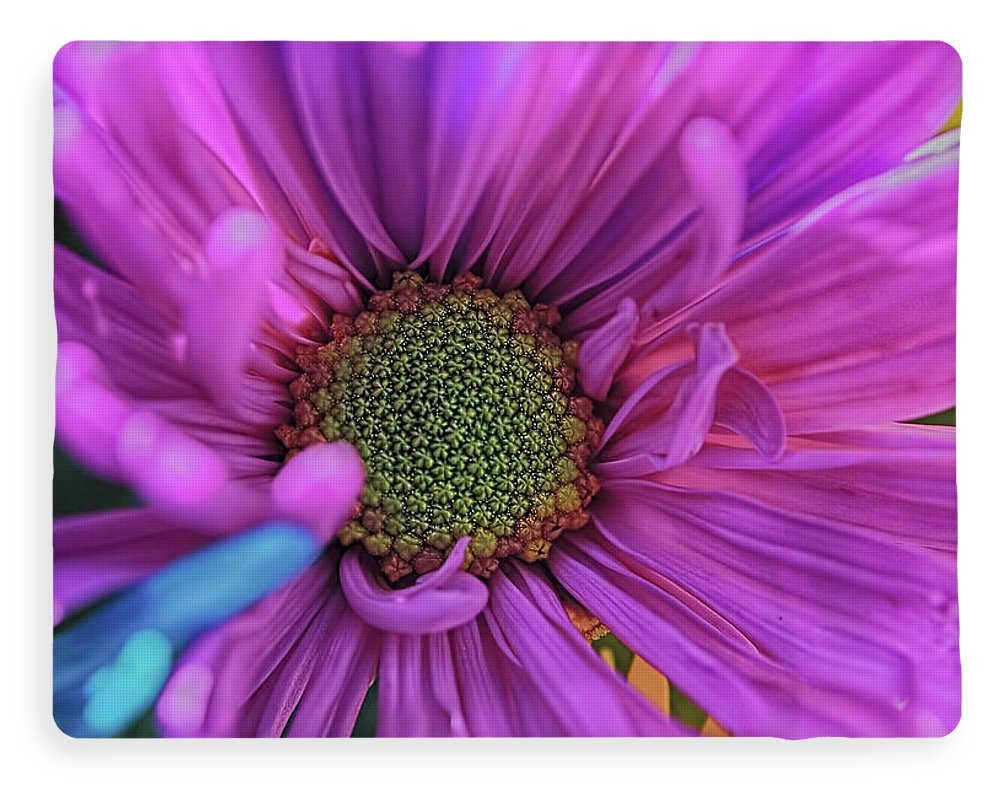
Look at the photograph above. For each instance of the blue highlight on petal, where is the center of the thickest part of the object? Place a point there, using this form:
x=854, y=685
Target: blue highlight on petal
x=212, y=585
x=111, y=666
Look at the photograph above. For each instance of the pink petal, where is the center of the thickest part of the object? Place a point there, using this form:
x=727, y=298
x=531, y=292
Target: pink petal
x=578, y=693
x=849, y=318
x=418, y=695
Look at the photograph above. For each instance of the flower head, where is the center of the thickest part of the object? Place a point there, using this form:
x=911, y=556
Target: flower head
x=431, y=363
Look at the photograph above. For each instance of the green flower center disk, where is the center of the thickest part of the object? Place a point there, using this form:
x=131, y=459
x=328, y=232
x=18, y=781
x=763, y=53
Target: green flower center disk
x=461, y=404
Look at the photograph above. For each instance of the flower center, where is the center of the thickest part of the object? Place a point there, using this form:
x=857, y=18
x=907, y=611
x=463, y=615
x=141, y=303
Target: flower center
x=461, y=404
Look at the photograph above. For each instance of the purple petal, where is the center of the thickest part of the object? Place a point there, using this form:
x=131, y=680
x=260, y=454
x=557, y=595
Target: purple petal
x=744, y=404
x=672, y=421
x=638, y=196
x=716, y=175
x=590, y=94
x=812, y=119
x=287, y=185
x=97, y=554
x=862, y=107
x=576, y=687
x=332, y=699
x=437, y=602
x=417, y=694
x=896, y=481
x=324, y=678
x=777, y=599
x=480, y=674
x=89, y=412
x=236, y=669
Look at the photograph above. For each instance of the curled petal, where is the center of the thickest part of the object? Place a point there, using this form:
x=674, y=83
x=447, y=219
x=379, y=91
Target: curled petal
x=714, y=167
x=744, y=404
x=439, y=601
x=644, y=438
x=679, y=432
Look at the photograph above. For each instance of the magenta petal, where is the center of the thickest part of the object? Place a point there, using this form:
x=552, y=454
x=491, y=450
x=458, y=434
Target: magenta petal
x=885, y=249
x=604, y=351
x=165, y=466
x=585, y=101
x=639, y=195
x=325, y=81
x=437, y=602
x=586, y=697
x=319, y=487
x=90, y=183
x=89, y=412
x=132, y=339
x=97, y=554
x=245, y=254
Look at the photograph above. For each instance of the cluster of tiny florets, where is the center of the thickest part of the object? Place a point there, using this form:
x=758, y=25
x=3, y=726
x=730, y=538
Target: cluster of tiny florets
x=462, y=407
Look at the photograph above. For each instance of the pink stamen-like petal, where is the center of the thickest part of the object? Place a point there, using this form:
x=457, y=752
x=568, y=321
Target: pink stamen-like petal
x=320, y=486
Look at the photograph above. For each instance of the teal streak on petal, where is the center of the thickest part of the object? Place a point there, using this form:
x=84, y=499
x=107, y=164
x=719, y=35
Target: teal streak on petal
x=210, y=586
x=96, y=658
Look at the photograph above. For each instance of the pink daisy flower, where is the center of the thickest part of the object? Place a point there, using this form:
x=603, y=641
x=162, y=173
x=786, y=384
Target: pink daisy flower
x=424, y=359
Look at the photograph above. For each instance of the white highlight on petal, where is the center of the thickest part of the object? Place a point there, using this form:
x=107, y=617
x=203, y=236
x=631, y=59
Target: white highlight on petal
x=936, y=145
